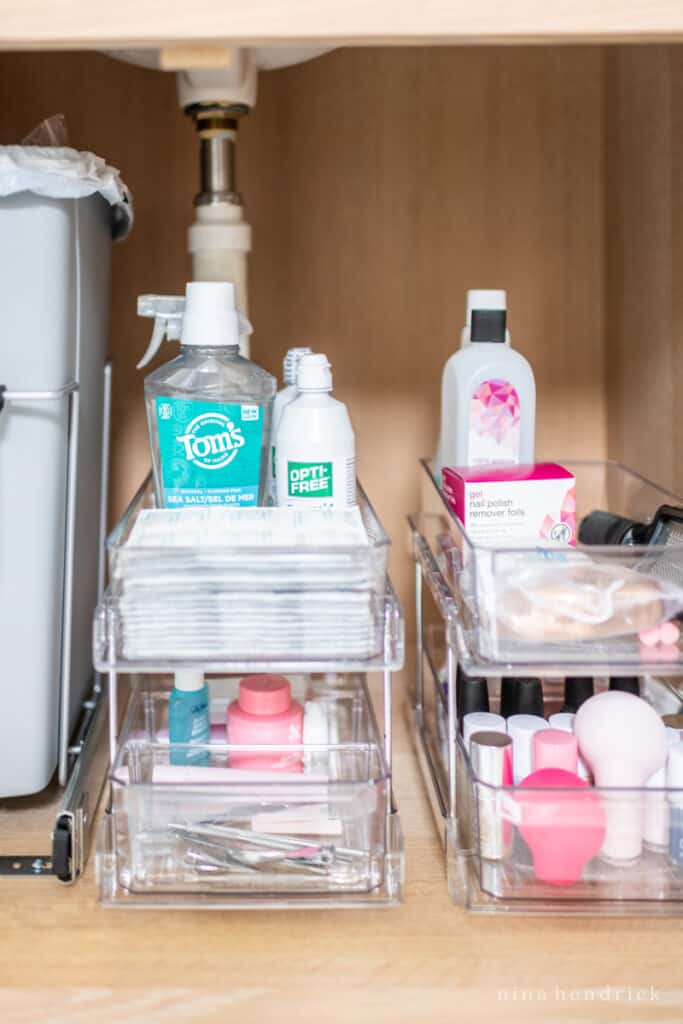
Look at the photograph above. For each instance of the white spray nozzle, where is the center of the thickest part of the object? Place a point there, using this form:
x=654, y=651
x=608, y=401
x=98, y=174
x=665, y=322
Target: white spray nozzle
x=168, y=312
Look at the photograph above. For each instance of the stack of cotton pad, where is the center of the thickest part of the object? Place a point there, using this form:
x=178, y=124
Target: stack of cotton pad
x=223, y=583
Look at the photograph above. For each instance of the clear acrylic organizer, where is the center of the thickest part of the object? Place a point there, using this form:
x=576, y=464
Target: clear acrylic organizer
x=358, y=626
x=468, y=811
x=494, y=631
x=309, y=826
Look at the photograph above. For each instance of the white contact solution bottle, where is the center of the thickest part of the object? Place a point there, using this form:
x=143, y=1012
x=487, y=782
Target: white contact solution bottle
x=284, y=396
x=488, y=399
x=316, y=447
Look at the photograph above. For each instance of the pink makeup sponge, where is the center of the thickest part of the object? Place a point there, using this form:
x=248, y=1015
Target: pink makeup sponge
x=563, y=822
x=623, y=741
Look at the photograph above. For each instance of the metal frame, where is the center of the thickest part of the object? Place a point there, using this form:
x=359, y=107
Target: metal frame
x=81, y=763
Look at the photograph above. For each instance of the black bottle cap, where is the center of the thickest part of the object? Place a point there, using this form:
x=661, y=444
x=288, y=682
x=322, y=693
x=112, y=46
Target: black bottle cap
x=488, y=325
x=521, y=697
x=471, y=694
x=577, y=689
x=626, y=684
x=606, y=528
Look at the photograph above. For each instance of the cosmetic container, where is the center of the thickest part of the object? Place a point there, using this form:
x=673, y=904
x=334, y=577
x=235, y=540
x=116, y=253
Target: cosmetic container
x=265, y=714
x=488, y=399
x=189, y=725
x=464, y=618
x=491, y=754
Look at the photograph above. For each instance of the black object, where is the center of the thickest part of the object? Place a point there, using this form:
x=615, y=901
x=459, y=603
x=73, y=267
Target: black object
x=625, y=684
x=666, y=527
x=488, y=325
x=577, y=689
x=471, y=694
x=521, y=697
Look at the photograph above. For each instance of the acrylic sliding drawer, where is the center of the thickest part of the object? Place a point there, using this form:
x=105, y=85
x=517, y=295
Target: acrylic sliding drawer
x=513, y=849
x=308, y=825
x=327, y=605
x=557, y=610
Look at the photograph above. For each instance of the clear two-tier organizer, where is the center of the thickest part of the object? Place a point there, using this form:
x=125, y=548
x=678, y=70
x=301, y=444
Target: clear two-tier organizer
x=465, y=598
x=323, y=832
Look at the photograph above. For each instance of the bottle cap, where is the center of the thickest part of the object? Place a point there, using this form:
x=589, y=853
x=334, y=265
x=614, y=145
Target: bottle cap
x=563, y=720
x=314, y=373
x=265, y=695
x=189, y=679
x=554, y=748
x=521, y=697
x=481, y=721
x=290, y=364
x=210, y=314
x=521, y=729
x=488, y=325
x=471, y=694
x=625, y=684
x=577, y=689
x=484, y=298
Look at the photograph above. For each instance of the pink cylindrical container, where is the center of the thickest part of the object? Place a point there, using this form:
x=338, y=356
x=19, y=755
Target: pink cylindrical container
x=264, y=713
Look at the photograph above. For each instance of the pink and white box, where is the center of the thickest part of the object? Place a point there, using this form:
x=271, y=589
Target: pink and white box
x=501, y=505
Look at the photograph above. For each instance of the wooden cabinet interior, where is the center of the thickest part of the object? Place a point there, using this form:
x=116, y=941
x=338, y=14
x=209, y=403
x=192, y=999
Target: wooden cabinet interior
x=381, y=184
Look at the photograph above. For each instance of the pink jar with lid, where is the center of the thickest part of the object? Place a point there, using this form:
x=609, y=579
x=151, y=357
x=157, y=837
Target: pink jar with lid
x=264, y=713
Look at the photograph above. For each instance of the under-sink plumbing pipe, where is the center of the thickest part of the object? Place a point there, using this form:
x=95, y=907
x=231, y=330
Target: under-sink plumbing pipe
x=219, y=240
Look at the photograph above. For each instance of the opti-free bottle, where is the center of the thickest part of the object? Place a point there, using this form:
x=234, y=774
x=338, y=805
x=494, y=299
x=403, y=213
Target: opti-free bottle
x=488, y=399
x=209, y=410
x=316, y=446
x=284, y=396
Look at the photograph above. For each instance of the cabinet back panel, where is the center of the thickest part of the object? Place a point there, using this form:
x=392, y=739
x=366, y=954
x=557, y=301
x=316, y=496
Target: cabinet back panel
x=381, y=184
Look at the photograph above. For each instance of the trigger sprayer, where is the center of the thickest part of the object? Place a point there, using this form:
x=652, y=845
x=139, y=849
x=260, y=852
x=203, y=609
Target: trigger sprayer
x=168, y=312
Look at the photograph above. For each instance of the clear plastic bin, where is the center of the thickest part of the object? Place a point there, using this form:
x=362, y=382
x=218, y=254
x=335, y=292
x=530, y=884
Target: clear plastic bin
x=556, y=610
x=319, y=830
x=507, y=879
x=356, y=627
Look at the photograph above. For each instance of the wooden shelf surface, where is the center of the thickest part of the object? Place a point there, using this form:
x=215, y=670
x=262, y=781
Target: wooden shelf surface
x=66, y=959
x=36, y=24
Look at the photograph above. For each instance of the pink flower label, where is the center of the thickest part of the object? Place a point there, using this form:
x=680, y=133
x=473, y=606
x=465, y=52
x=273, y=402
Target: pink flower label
x=494, y=424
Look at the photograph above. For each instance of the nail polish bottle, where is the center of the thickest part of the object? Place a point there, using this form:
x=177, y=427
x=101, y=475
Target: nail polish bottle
x=521, y=697
x=565, y=721
x=555, y=748
x=521, y=729
x=625, y=684
x=674, y=780
x=472, y=694
x=490, y=752
x=577, y=689
x=264, y=713
x=481, y=721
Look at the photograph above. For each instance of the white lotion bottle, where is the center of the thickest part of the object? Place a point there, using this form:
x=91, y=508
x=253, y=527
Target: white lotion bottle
x=477, y=298
x=488, y=399
x=285, y=395
x=316, y=447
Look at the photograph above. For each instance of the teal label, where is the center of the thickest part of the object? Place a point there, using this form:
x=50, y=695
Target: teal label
x=210, y=452
x=309, y=479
